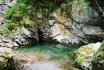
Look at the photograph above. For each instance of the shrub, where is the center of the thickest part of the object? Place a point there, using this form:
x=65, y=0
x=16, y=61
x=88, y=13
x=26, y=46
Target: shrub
x=14, y=15
x=17, y=10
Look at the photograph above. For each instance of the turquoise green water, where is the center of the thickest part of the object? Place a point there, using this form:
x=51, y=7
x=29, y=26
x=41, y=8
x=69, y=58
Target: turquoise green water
x=58, y=50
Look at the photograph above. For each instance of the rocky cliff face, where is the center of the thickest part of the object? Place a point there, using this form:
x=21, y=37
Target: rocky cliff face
x=74, y=25
x=23, y=36
x=75, y=22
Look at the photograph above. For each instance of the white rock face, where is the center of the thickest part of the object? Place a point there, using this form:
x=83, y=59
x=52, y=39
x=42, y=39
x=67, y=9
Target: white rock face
x=51, y=22
x=62, y=35
x=94, y=46
x=56, y=30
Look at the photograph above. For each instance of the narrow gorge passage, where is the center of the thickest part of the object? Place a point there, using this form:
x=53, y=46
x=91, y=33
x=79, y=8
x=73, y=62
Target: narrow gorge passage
x=51, y=35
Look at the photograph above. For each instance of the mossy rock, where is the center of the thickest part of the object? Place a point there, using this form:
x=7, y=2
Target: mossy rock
x=7, y=59
x=86, y=52
x=82, y=54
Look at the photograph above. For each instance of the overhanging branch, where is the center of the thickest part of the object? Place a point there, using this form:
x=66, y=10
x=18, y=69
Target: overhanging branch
x=99, y=7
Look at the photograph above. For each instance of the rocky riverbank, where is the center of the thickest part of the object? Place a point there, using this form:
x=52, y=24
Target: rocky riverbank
x=86, y=57
x=67, y=22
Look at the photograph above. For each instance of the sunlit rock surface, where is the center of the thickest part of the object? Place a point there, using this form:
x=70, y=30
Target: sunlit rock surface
x=85, y=55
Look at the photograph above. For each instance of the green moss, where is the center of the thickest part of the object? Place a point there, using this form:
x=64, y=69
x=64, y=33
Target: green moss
x=10, y=25
x=17, y=10
x=14, y=17
x=80, y=58
x=80, y=4
x=82, y=54
x=99, y=56
x=7, y=60
x=28, y=21
x=3, y=62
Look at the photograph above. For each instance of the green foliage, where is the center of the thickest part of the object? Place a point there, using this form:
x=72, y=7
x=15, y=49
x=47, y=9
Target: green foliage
x=8, y=61
x=48, y=4
x=82, y=53
x=102, y=47
x=27, y=20
x=10, y=25
x=17, y=10
x=80, y=58
x=99, y=56
x=17, y=15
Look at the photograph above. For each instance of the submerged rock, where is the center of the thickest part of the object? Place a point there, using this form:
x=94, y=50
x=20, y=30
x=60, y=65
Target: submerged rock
x=42, y=66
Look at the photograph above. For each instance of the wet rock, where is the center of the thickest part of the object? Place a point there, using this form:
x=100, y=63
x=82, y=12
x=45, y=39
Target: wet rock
x=42, y=66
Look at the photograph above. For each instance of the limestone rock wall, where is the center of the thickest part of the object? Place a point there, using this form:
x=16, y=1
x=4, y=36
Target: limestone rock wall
x=77, y=22
x=74, y=26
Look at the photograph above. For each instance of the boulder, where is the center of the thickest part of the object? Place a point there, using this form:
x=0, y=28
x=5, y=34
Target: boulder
x=85, y=55
x=10, y=59
x=7, y=59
